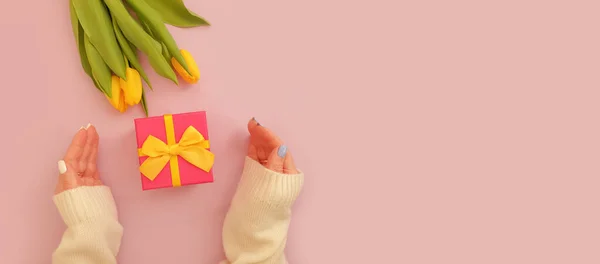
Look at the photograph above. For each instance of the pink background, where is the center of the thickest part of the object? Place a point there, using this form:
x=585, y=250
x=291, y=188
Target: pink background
x=155, y=126
x=429, y=131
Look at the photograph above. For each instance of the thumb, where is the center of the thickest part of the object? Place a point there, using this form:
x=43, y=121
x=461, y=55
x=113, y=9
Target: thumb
x=67, y=178
x=277, y=158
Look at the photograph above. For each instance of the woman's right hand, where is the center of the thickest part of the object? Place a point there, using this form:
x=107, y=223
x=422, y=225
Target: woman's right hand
x=266, y=148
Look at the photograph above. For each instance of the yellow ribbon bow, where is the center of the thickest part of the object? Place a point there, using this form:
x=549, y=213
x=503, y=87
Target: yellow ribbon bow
x=192, y=147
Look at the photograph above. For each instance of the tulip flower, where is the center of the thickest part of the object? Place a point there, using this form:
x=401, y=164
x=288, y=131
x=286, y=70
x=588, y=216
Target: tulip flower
x=117, y=98
x=194, y=74
x=132, y=87
x=125, y=93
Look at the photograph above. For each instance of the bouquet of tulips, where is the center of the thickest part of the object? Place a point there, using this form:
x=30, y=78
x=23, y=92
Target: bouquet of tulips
x=110, y=32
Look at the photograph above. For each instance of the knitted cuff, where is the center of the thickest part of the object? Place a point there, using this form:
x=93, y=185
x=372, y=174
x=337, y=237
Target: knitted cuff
x=85, y=203
x=272, y=189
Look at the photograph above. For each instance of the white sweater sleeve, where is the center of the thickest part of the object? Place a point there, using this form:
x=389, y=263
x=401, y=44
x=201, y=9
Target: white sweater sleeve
x=256, y=226
x=93, y=234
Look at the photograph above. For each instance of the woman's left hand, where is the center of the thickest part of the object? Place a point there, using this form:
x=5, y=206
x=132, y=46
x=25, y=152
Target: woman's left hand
x=79, y=166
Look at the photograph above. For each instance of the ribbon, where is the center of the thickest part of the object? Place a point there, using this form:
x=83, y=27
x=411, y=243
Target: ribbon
x=192, y=147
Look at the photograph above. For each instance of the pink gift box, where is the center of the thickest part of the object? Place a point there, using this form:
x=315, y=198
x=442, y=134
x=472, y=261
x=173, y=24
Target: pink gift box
x=155, y=126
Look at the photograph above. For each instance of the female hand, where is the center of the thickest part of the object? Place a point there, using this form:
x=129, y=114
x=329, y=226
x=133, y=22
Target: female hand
x=78, y=167
x=266, y=148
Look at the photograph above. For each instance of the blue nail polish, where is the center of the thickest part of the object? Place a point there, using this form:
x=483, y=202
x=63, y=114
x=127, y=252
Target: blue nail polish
x=282, y=151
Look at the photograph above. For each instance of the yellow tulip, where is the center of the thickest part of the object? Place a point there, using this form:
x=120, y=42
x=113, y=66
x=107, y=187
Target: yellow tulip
x=190, y=77
x=118, y=97
x=132, y=88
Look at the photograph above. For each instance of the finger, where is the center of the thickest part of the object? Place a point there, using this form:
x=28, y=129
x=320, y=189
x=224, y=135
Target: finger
x=261, y=135
x=87, y=150
x=252, y=153
x=276, y=159
x=254, y=146
x=92, y=160
x=289, y=167
x=76, y=148
x=252, y=124
x=67, y=178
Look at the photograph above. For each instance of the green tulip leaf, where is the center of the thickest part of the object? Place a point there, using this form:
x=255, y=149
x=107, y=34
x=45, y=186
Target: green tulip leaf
x=147, y=29
x=144, y=104
x=82, y=53
x=165, y=52
x=142, y=41
x=146, y=79
x=74, y=20
x=174, y=12
x=97, y=85
x=130, y=53
x=100, y=71
x=78, y=32
x=152, y=19
x=95, y=20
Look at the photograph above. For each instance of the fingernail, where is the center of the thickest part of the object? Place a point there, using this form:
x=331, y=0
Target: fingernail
x=88, y=126
x=282, y=151
x=257, y=123
x=62, y=167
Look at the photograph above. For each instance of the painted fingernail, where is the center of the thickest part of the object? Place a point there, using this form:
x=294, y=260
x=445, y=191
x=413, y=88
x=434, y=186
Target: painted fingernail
x=282, y=151
x=62, y=167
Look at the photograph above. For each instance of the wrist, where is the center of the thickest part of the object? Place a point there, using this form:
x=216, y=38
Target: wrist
x=268, y=188
x=85, y=203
